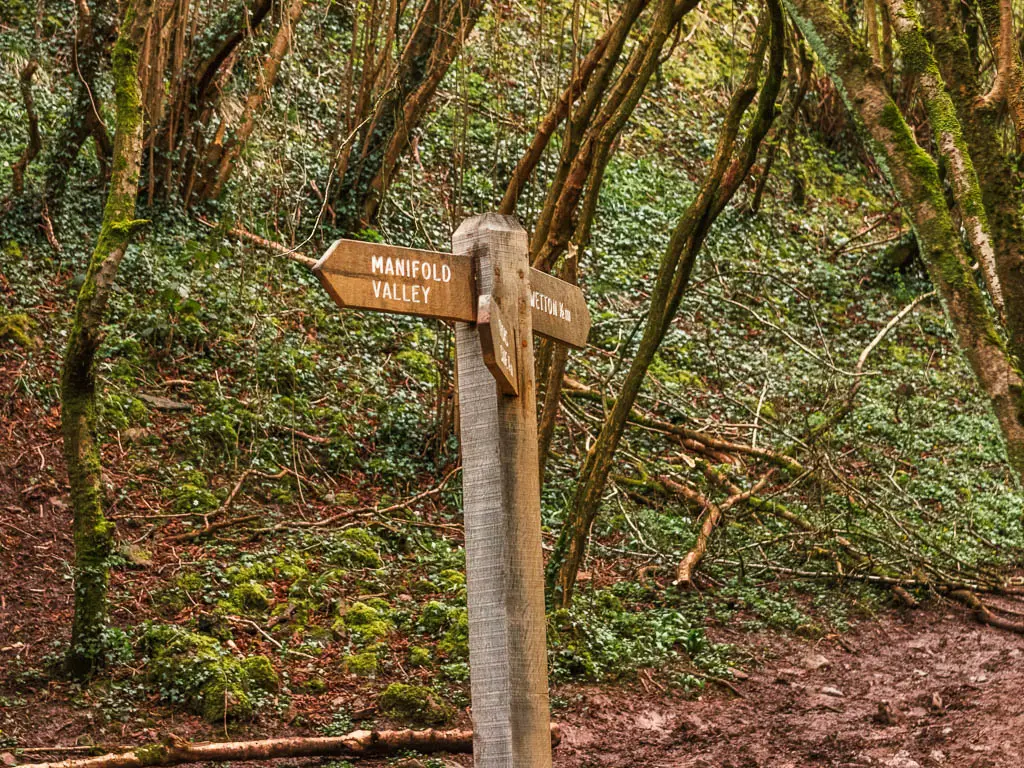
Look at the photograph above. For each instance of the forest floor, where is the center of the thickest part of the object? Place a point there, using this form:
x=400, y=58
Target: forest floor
x=907, y=688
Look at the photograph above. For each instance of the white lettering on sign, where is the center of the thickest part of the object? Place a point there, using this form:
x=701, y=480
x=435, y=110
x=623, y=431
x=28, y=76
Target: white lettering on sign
x=414, y=269
x=411, y=268
x=410, y=294
x=550, y=306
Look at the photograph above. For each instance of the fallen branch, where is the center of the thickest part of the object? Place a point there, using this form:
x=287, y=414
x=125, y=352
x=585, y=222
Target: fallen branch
x=176, y=751
x=348, y=513
x=982, y=612
x=270, y=245
x=190, y=535
x=684, y=573
x=846, y=407
x=207, y=526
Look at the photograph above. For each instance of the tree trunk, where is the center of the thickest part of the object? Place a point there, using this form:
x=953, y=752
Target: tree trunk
x=403, y=94
x=948, y=137
x=599, y=54
x=220, y=156
x=93, y=533
x=91, y=34
x=723, y=178
x=554, y=372
x=586, y=167
x=982, y=130
x=915, y=179
x=35, y=142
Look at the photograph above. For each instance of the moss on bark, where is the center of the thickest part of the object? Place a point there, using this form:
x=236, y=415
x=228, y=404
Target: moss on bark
x=93, y=533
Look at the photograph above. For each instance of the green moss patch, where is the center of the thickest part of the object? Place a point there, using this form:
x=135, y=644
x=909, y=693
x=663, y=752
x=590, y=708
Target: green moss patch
x=362, y=623
x=17, y=328
x=249, y=597
x=354, y=548
x=197, y=672
x=414, y=704
x=361, y=664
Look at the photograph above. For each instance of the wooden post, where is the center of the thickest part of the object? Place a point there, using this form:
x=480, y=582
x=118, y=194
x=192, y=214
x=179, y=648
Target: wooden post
x=504, y=565
x=487, y=285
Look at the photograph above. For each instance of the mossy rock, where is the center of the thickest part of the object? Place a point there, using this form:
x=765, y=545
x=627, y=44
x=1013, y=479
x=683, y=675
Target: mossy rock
x=195, y=670
x=420, y=656
x=185, y=590
x=193, y=499
x=414, y=704
x=261, y=674
x=354, y=548
x=249, y=597
x=314, y=686
x=361, y=664
x=17, y=328
x=363, y=623
x=455, y=643
x=138, y=412
x=224, y=700
x=240, y=574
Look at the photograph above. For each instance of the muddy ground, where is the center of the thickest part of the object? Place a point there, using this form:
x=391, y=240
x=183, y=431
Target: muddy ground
x=910, y=688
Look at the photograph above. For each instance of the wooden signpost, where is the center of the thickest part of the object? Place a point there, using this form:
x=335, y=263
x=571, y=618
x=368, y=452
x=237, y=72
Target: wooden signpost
x=499, y=302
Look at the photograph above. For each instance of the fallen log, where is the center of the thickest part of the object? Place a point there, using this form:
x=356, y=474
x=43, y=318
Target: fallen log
x=177, y=751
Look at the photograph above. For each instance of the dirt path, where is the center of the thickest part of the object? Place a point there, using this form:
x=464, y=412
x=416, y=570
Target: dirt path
x=955, y=690
x=955, y=694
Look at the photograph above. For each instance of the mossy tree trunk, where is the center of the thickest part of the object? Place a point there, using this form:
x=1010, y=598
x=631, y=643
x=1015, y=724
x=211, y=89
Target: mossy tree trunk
x=221, y=155
x=729, y=166
x=391, y=101
x=93, y=533
x=93, y=31
x=915, y=178
x=983, y=130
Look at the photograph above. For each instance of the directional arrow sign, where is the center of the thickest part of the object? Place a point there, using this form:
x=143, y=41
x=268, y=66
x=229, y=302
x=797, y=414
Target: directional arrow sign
x=497, y=344
x=558, y=309
x=407, y=281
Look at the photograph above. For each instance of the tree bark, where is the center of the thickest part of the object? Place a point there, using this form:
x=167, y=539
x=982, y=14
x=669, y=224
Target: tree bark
x=586, y=166
x=177, y=751
x=725, y=174
x=915, y=179
x=554, y=372
x=92, y=32
x=580, y=120
x=221, y=156
x=93, y=533
x=605, y=51
x=367, y=162
x=919, y=62
x=35, y=141
x=996, y=171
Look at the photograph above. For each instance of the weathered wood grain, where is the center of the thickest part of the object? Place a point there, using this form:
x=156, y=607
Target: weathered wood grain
x=408, y=281
x=504, y=566
x=559, y=310
x=497, y=344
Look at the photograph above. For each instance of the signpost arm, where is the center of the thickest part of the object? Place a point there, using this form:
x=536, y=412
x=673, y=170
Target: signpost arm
x=504, y=565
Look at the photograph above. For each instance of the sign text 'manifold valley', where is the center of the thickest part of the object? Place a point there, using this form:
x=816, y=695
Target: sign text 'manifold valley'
x=408, y=281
